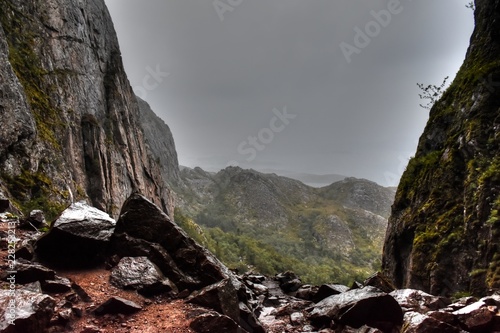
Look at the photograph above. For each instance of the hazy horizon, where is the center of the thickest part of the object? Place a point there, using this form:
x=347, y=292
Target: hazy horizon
x=313, y=87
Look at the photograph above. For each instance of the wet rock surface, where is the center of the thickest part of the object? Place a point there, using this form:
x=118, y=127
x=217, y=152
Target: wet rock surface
x=366, y=306
x=251, y=303
x=418, y=301
x=116, y=305
x=142, y=275
x=80, y=236
x=214, y=322
x=70, y=120
x=25, y=311
x=142, y=220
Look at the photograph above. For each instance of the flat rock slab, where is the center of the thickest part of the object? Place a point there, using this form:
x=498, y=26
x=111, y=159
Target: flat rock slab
x=419, y=301
x=59, y=285
x=215, y=323
x=117, y=305
x=25, y=311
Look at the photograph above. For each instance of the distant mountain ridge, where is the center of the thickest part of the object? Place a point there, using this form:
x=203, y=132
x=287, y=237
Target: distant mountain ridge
x=310, y=179
x=271, y=222
x=324, y=234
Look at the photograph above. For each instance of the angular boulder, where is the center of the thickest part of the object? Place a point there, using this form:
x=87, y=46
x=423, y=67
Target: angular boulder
x=306, y=292
x=80, y=236
x=378, y=280
x=289, y=281
x=477, y=320
x=37, y=218
x=229, y=297
x=213, y=322
x=415, y=322
x=124, y=245
x=141, y=219
x=366, y=306
x=25, y=311
x=221, y=297
x=27, y=272
x=117, y=305
x=419, y=301
x=249, y=320
x=59, y=285
x=328, y=290
x=444, y=316
x=140, y=274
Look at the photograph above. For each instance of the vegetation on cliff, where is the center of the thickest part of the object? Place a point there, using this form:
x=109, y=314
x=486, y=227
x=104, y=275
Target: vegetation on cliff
x=443, y=231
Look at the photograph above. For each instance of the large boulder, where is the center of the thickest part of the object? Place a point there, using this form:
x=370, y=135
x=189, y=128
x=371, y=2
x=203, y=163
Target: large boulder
x=419, y=301
x=140, y=274
x=25, y=311
x=124, y=245
x=141, y=219
x=228, y=297
x=415, y=322
x=476, y=319
x=366, y=306
x=80, y=236
x=221, y=297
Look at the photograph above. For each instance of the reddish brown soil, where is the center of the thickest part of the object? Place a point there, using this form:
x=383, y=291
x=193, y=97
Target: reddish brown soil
x=159, y=314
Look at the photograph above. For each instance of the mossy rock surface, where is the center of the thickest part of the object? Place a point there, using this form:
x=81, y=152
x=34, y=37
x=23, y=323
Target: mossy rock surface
x=443, y=230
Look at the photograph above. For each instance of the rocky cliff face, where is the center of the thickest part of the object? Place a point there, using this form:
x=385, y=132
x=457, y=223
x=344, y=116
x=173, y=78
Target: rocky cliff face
x=160, y=141
x=443, y=234
x=70, y=121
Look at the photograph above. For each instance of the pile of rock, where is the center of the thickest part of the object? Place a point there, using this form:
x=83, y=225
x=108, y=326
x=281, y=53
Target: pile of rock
x=145, y=251
x=149, y=253
x=372, y=306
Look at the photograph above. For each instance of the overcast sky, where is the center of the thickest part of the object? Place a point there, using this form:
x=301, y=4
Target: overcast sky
x=317, y=86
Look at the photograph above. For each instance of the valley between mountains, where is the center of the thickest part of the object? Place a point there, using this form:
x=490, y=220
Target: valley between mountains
x=270, y=224
x=102, y=231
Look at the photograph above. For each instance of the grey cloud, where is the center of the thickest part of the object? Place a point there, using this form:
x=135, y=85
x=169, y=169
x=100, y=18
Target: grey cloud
x=356, y=119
